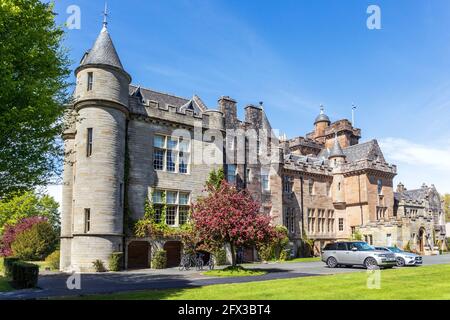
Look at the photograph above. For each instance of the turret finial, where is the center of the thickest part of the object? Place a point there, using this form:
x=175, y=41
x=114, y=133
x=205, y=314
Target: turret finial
x=105, y=16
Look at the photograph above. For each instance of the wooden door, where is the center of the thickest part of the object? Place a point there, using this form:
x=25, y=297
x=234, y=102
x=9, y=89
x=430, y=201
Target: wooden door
x=138, y=255
x=173, y=252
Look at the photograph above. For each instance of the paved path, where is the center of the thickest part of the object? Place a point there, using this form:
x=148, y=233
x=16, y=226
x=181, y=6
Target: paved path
x=54, y=284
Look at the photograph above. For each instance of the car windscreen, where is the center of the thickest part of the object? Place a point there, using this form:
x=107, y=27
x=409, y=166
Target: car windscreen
x=395, y=249
x=361, y=246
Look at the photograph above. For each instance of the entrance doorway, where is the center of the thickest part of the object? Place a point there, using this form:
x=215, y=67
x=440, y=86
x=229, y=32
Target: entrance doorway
x=138, y=255
x=173, y=252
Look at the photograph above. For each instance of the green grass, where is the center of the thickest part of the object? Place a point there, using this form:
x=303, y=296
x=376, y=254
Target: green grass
x=430, y=282
x=234, y=272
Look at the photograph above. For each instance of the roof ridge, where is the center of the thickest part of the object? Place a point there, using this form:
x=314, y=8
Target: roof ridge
x=360, y=144
x=160, y=92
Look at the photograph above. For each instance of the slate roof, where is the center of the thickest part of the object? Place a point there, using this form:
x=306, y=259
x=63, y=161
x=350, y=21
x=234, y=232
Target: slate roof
x=336, y=151
x=162, y=98
x=364, y=151
x=419, y=195
x=103, y=52
x=322, y=117
x=306, y=159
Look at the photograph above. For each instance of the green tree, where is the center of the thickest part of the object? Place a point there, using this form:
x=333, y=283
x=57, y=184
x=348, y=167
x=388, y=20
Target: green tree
x=447, y=206
x=33, y=72
x=215, y=178
x=28, y=204
x=36, y=243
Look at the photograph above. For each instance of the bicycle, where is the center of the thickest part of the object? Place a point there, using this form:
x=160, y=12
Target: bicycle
x=186, y=262
x=210, y=263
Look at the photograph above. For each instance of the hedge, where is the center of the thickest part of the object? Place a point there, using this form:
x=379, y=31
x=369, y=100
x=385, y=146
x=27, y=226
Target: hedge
x=159, y=260
x=24, y=275
x=8, y=265
x=115, y=261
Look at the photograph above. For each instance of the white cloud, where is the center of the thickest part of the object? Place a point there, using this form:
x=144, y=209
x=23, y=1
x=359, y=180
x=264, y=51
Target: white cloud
x=418, y=163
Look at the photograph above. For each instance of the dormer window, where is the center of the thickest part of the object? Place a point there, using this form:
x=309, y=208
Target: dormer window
x=90, y=81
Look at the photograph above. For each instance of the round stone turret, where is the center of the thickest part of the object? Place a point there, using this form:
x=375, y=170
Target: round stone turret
x=101, y=103
x=322, y=122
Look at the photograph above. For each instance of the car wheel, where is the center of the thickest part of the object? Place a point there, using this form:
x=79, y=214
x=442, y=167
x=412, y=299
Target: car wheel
x=400, y=262
x=370, y=263
x=332, y=262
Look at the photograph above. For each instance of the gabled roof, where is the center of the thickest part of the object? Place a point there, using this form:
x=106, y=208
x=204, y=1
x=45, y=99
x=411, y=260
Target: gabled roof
x=364, y=151
x=418, y=195
x=165, y=99
x=103, y=52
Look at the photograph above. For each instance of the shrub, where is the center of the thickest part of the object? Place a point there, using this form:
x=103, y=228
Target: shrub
x=25, y=275
x=8, y=265
x=53, y=260
x=407, y=248
x=220, y=257
x=99, y=266
x=285, y=255
x=36, y=243
x=159, y=260
x=266, y=252
x=115, y=261
x=12, y=231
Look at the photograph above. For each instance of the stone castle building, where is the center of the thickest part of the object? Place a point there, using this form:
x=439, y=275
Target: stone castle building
x=127, y=143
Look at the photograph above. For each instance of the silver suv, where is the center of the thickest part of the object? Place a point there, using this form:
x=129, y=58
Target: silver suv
x=403, y=258
x=356, y=253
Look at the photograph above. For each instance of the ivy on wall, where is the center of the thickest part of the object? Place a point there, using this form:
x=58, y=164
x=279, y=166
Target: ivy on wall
x=152, y=226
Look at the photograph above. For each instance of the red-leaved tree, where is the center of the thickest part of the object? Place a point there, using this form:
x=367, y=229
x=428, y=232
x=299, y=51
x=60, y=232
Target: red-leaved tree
x=11, y=232
x=228, y=215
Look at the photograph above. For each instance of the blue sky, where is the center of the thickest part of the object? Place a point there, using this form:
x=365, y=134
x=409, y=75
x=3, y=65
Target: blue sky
x=295, y=55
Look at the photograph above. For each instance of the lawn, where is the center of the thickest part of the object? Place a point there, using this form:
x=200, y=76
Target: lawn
x=430, y=282
x=234, y=272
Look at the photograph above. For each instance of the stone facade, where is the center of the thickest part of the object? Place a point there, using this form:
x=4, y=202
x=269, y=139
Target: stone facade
x=128, y=144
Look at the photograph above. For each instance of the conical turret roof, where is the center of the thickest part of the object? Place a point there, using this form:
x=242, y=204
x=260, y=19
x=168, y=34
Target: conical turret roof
x=103, y=52
x=336, y=151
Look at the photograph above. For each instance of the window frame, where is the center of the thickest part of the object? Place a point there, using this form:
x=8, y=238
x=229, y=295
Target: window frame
x=90, y=81
x=341, y=224
x=87, y=220
x=161, y=163
x=89, y=142
x=177, y=205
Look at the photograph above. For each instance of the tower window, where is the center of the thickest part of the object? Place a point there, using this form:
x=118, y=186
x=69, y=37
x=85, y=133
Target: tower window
x=90, y=81
x=89, y=142
x=265, y=180
x=380, y=186
x=231, y=174
x=311, y=187
x=341, y=224
x=87, y=220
